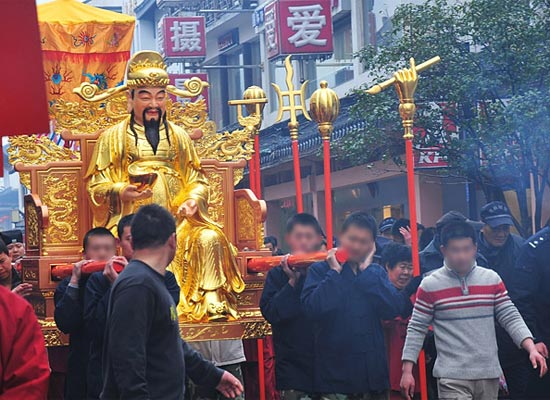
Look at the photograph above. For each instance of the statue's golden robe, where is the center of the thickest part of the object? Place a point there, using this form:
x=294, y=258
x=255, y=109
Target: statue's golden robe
x=205, y=265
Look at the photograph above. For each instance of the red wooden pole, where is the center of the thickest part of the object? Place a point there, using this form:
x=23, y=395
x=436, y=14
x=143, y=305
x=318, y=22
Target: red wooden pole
x=328, y=192
x=261, y=371
x=257, y=166
x=297, y=176
x=257, y=189
x=252, y=174
x=415, y=256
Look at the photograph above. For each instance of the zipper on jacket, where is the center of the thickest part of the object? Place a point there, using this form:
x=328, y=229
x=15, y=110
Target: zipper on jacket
x=464, y=287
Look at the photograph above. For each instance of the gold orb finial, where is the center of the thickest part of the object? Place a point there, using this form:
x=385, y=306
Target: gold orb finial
x=324, y=107
x=254, y=93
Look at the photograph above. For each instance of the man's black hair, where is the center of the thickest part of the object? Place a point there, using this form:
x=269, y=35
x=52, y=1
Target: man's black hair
x=457, y=230
x=272, y=240
x=152, y=226
x=99, y=231
x=4, y=248
x=394, y=253
x=304, y=219
x=361, y=220
x=123, y=223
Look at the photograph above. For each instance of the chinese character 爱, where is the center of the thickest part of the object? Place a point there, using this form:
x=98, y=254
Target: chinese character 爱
x=307, y=22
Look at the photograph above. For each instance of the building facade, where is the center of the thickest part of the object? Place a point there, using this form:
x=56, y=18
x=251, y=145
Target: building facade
x=237, y=56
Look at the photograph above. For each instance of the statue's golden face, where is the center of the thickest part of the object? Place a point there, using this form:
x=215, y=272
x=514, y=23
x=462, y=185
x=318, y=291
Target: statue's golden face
x=148, y=103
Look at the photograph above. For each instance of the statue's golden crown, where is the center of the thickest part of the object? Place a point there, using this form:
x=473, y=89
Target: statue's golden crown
x=147, y=68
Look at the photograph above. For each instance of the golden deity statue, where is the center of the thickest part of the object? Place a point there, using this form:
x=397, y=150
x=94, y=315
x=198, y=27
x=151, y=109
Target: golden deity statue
x=147, y=159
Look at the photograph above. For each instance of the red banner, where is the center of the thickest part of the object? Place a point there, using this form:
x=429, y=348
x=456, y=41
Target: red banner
x=183, y=38
x=298, y=27
x=23, y=103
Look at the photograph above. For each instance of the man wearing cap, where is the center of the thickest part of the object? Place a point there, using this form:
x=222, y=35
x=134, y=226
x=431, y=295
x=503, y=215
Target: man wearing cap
x=529, y=286
x=14, y=240
x=385, y=228
x=499, y=247
x=501, y=250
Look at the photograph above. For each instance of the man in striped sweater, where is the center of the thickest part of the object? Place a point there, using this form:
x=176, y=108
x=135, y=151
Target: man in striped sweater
x=461, y=301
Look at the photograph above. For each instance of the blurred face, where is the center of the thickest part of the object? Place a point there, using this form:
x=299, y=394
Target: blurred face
x=5, y=268
x=17, y=250
x=125, y=243
x=400, y=275
x=303, y=239
x=357, y=242
x=100, y=248
x=497, y=236
x=387, y=234
x=148, y=103
x=271, y=248
x=460, y=254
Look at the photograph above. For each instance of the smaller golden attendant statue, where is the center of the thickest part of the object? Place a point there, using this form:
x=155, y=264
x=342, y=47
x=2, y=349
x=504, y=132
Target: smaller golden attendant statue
x=147, y=159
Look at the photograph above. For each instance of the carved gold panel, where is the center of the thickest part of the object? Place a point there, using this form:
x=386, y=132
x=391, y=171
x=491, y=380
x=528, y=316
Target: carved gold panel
x=60, y=195
x=216, y=205
x=31, y=225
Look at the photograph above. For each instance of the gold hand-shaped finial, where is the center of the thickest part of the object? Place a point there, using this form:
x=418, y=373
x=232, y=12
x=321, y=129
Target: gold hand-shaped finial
x=405, y=84
x=405, y=81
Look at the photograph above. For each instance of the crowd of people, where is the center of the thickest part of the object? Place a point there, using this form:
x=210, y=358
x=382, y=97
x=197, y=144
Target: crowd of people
x=341, y=331
x=479, y=310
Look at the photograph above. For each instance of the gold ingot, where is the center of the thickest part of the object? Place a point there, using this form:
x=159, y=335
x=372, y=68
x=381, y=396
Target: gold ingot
x=254, y=93
x=324, y=107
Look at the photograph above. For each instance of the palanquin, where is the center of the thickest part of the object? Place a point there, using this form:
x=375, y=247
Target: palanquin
x=57, y=212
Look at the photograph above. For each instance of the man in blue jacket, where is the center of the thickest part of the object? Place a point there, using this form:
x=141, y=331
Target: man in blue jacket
x=99, y=245
x=280, y=305
x=347, y=303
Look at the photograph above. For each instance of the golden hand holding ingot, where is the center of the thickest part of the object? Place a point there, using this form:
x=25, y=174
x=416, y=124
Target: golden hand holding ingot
x=405, y=85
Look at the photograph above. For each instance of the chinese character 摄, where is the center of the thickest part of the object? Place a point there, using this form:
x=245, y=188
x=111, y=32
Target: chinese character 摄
x=186, y=36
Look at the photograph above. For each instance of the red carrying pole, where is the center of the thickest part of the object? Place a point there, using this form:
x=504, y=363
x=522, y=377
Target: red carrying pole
x=257, y=189
x=257, y=166
x=297, y=176
x=252, y=174
x=328, y=192
x=415, y=256
x=261, y=371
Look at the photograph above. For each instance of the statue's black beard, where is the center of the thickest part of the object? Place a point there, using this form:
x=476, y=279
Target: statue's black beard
x=151, y=127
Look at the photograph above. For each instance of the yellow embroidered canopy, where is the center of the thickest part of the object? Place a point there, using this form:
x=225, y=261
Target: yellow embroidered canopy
x=81, y=43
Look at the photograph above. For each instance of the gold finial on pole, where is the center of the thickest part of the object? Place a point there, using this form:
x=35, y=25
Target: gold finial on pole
x=386, y=84
x=254, y=100
x=292, y=106
x=324, y=107
x=405, y=81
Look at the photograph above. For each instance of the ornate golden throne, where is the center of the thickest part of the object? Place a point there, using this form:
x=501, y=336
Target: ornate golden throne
x=57, y=212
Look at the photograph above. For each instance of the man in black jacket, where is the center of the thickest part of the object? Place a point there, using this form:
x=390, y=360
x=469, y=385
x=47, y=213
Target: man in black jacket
x=281, y=306
x=144, y=355
x=529, y=292
x=501, y=250
x=99, y=245
x=96, y=298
